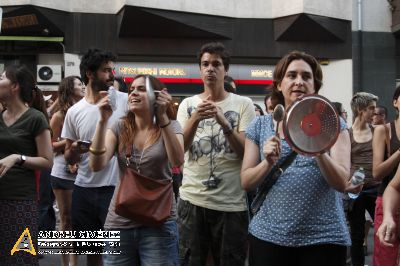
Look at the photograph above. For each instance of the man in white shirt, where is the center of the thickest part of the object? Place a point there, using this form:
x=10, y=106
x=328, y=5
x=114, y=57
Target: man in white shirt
x=93, y=190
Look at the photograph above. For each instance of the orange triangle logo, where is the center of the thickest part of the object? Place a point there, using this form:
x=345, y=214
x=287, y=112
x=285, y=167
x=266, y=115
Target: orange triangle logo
x=24, y=243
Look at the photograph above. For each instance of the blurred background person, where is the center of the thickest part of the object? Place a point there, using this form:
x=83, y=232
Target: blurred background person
x=120, y=84
x=340, y=110
x=70, y=91
x=270, y=100
x=229, y=84
x=388, y=231
x=258, y=109
x=25, y=146
x=380, y=115
x=48, y=100
x=363, y=106
x=386, y=158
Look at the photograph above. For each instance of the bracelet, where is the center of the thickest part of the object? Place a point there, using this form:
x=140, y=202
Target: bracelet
x=97, y=152
x=167, y=124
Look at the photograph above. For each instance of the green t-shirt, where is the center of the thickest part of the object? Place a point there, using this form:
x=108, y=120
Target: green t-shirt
x=19, y=182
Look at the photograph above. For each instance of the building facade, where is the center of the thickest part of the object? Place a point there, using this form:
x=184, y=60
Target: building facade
x=354, y=40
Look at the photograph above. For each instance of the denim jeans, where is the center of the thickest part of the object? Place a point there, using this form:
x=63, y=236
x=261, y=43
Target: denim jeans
x=146, y=246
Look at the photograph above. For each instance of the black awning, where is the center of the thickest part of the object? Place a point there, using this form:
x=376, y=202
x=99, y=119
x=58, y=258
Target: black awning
x=147, y=22
x=310, y=28
x=28, y=21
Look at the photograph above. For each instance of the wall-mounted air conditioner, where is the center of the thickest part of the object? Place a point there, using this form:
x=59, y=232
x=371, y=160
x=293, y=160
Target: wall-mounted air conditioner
x=48, y=73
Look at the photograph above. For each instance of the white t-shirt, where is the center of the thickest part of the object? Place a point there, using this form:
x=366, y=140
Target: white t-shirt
x=211, y=152
x=80, y=124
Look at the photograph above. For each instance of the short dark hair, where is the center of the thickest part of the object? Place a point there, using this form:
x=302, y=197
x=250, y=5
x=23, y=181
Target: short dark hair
x=122, y=85
x=259, y=108
x=283, y=64
x=92, y=60
x=384, y=109
x=229, y=79
x=228, y=87
x=338, y=107
x=215, y=48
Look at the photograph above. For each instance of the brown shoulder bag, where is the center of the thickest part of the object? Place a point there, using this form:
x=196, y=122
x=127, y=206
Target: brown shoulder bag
x=143, y=199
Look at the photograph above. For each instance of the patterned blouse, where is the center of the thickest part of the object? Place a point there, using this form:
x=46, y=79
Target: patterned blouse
x=301, y=209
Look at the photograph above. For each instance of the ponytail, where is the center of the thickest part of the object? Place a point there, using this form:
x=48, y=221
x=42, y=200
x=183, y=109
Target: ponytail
x=29, y=93
x=38, y=102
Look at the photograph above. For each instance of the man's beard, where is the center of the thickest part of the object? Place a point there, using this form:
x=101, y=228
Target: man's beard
x=99, y=85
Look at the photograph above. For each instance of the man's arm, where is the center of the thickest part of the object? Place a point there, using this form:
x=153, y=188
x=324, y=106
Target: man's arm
x=236, y=137
x=73, y=151
x=189, y=131
x=204, y=110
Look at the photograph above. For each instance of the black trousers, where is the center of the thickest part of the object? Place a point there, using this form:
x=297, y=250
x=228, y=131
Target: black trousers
x=262, y=253
x=356, y=217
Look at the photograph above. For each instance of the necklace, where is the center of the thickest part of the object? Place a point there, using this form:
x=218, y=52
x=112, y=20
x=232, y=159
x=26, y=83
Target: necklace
x=212, y=181
x=141, y=155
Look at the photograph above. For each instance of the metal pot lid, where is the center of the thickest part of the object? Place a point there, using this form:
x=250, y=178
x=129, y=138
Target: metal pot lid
x=311, y=125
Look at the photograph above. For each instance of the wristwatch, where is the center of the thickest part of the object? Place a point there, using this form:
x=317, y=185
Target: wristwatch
x=22, y=159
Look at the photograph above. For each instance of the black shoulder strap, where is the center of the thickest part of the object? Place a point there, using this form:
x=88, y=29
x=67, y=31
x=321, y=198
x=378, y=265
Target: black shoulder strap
x=269, y=181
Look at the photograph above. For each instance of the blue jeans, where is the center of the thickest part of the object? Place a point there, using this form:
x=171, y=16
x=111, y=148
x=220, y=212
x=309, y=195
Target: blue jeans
x=146, y=246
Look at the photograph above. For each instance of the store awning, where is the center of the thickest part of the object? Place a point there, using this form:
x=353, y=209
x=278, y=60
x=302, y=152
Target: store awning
x=28, y=21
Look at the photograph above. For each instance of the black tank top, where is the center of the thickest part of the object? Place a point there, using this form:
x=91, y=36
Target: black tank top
x=394, y=146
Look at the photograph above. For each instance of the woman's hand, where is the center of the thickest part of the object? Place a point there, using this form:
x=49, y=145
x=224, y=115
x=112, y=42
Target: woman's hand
x=8, y=162
x=387, y=232
x=163, y=101
x=355, y=189
x=272, y=150
x=104, y=106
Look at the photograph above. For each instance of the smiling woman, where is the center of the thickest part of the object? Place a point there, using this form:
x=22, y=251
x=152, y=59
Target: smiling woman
x=148, y=149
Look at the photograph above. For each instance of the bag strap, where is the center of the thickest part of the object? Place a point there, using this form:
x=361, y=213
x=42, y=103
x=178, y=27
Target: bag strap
x=387, y=141
x=269, y=181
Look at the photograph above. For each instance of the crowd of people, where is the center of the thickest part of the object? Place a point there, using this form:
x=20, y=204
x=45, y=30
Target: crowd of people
x=224, y=145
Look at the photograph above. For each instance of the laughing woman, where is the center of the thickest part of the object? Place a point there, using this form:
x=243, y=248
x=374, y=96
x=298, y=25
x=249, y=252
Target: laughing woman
x=25, y=146
x=301, y=221
x=153, y=148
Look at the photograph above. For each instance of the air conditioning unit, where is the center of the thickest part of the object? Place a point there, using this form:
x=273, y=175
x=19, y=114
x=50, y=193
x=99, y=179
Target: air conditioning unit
x=48, y=73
